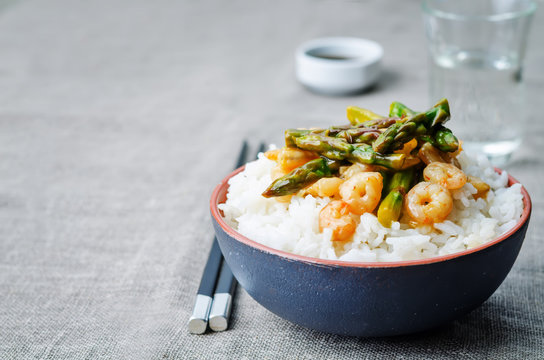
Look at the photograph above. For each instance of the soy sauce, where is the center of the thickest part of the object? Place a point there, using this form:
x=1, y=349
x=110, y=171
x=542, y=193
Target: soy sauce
x=332, y=57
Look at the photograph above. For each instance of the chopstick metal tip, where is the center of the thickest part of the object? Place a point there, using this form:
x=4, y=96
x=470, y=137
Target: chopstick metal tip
x=218, y=323
x=197, y=326
x=220, y=312
x=199, y=320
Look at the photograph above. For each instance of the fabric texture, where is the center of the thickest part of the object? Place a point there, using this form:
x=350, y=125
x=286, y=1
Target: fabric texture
x=117, y=119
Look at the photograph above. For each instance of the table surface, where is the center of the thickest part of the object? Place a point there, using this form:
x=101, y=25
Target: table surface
x=117, y=119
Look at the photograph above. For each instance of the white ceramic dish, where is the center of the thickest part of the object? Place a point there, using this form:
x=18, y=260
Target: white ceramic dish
x=338, y=65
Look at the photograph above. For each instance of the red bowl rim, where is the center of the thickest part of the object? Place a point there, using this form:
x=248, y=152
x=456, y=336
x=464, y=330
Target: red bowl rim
x=214, y=201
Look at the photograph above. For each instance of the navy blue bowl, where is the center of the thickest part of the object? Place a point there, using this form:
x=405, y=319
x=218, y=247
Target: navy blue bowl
x=368, y=299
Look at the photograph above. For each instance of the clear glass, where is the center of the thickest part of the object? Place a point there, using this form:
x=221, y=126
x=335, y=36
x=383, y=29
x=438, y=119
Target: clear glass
x=476, y=50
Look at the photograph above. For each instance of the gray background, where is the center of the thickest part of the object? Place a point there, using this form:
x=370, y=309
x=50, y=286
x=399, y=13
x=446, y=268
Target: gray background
x=117, y=119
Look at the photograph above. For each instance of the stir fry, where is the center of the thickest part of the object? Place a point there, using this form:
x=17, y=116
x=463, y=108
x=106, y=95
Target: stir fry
x=401, y=167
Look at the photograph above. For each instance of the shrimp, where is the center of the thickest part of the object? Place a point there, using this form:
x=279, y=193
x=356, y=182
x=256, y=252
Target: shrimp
x=428, y=203
x=446, y=175
x=272, y=154
x=291, y=158
x=288, y=159
x=348, y=171
x=452, y=159
x=407, y=147
x=325, y=187
x=481, y=187
x=336, y=216
x=362, y=192
x=429, y=154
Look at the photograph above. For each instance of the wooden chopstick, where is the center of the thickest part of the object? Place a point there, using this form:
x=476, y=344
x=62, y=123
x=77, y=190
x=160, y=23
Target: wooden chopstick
x=216, y=311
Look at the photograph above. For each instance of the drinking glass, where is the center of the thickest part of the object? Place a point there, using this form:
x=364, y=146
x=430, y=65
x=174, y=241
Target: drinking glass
x=476, y=50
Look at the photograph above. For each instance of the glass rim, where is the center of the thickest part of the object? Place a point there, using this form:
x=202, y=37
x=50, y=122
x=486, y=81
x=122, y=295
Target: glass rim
x=529, y=10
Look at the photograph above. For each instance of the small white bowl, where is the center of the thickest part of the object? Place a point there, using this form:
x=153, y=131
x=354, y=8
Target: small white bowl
x=338, y=65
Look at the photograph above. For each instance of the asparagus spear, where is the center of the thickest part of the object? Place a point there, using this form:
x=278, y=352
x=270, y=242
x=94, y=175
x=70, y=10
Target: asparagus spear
x=400, y=110
x=364, y=154
x=359, y=135
x=292, y=134
x=391, y=206
x=419, y=124
x=339, y=149
x=349, y=133
x=438, y=114
x=330, y=147
x=442, y=139
x=380, y=123
x=302, y=177
x=352, y=134
x=445, y=140
x=369, y=125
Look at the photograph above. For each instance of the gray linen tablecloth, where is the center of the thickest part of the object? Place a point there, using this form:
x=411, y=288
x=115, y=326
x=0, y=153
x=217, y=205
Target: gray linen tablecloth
x=117, y=118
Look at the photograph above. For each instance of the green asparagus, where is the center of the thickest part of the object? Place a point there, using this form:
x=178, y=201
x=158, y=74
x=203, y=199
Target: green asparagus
x=445, y=140
x=380, y=123
x=395, y=136
x=391, y=206
x=292, y=134
x=358, y=135
x=339, y=149
x=373, y=140
x=352, y=134
x=442, y=139
x=400, y=110
x=302, y=177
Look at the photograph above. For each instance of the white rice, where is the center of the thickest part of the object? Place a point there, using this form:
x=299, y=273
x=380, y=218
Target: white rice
x=293, y=227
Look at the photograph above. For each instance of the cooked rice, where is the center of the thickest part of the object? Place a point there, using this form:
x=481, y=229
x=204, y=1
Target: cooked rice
x=293, y=226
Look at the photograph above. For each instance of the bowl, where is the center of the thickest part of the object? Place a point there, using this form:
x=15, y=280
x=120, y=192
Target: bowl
x=338, y=65
x=368, y=298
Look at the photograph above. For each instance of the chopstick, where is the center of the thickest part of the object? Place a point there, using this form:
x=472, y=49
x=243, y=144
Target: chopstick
x=216, y=311
x=201, y=310
x=222, y=299
x=224, y=291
